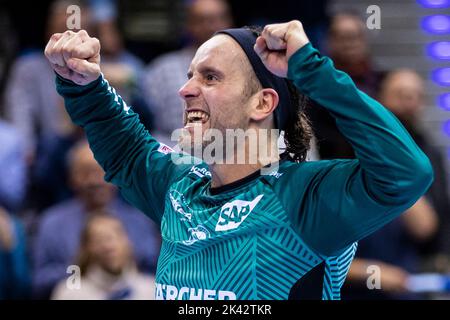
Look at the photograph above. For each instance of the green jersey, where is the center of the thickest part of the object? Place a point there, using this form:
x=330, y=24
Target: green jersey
x=288, y=234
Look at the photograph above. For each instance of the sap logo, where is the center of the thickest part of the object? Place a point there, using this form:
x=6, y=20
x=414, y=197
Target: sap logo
x=235, y=212
x=164, y=148
x=200, y=172
x=175, y=198
x=196, y=234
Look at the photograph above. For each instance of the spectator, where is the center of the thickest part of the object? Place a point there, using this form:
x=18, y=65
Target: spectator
x=403, y=93
x=395, y=250
x=33, y=106
x=108, y=269
x=348, y=48
x=122, y=68
x=59, y=230
x=31, y=101
x=14, y=272
x=12, y=168
x=167, y=73
x=424, y=229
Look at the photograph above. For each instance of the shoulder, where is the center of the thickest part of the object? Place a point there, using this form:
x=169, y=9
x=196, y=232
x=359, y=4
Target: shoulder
x=9, y=135
x=300, y=173
x=30, y=61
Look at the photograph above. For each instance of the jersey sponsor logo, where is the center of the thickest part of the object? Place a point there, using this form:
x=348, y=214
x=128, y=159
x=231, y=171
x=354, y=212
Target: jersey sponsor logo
x=177, y=200
x=235, y=212
x=163, y=148
x=169, y=292
x=196, y=234
x=276, y=174
x=200, y=172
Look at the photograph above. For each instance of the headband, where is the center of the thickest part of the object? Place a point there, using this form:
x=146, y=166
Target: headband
x=285, y=110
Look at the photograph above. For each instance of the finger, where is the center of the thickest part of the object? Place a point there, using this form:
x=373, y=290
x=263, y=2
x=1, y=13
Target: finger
x=57, y=56
x=280, y=33
x=275, y=36
x=260, y=48
x=83, y=67
x=86, y=50
x=70, y=46
x=51, y=43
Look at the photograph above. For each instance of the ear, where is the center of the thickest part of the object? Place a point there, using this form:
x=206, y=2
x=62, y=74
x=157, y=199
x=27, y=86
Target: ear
x=267, y=102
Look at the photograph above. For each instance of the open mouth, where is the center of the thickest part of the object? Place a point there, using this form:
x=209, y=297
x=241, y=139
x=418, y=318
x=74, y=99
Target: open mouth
x=196, y=117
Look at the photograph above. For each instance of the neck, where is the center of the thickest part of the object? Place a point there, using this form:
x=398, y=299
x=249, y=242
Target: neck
x=231, y=171
x=223, y=174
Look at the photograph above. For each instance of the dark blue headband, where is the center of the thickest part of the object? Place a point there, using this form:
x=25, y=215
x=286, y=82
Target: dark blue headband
x=246, y=39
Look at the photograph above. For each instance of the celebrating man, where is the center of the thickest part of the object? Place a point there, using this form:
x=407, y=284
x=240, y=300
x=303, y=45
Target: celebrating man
x=230, y=232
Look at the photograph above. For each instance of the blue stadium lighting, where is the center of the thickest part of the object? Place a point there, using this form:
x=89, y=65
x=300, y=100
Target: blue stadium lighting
x=444, y=101
x=446, y=127
x=436, y=24
x=434, y=4
x=439, y=50
x=441, y=76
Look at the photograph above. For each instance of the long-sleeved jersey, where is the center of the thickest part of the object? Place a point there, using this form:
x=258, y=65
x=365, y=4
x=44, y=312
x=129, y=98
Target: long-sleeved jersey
x=289, y=234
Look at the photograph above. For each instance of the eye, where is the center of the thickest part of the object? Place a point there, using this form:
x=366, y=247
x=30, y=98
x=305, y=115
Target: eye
x=211, y=77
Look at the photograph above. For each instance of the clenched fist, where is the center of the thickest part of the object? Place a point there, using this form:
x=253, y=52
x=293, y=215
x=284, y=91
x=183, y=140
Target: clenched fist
x=74, y=56
x=277, y=43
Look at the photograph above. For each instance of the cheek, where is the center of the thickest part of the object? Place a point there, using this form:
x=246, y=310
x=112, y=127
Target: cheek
x=226, y=110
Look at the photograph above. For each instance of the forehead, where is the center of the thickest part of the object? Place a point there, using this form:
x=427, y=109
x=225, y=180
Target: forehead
x=404, y=80
x=222, y=51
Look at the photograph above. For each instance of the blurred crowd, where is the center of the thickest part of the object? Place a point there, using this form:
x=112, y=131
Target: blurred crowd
x=56, y=210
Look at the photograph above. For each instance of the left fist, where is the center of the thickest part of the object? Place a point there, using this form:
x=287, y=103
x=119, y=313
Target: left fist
x=277, y=43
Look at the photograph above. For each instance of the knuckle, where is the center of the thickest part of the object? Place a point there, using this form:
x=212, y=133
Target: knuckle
x=55, y=36
x=66, y=48
x=296, y=23
x=96, y=43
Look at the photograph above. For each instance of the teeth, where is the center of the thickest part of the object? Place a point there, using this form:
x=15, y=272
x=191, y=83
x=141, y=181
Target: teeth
x=197, y=116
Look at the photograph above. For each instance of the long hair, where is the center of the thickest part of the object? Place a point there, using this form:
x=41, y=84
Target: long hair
x=298, y=133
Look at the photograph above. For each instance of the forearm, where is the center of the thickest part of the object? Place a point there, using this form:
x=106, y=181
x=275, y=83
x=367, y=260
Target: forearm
x=132, y=159
x=421, y=220
x=398, y=172
x=115, y=134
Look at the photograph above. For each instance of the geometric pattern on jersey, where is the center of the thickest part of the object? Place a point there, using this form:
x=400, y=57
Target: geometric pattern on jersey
x=262, y=258
x=336, y=269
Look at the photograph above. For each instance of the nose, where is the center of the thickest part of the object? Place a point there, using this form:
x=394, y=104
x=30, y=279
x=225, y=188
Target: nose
x=189, y=90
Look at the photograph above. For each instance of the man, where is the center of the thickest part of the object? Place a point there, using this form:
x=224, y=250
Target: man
x=60, y=227
x=403, y=92
x=229, y=232
x=107, y=265
x=348, y=47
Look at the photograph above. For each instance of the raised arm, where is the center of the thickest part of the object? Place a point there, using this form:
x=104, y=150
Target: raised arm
x=132, y=159
x=347, y=200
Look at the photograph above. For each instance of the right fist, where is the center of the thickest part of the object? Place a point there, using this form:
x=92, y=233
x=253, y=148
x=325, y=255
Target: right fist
x=74, y=56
